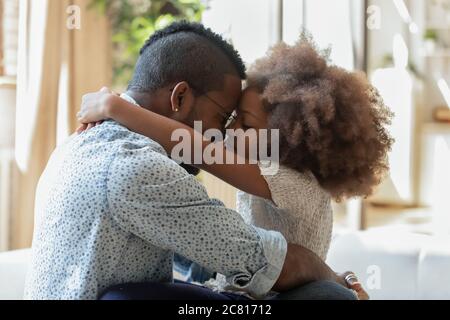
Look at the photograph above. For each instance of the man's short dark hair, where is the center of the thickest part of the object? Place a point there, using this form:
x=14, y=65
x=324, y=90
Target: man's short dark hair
x=189, y=52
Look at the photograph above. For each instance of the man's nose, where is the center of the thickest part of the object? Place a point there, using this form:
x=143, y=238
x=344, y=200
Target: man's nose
x=230, y=136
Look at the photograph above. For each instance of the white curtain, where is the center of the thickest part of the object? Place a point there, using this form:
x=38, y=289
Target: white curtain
x=56, y=65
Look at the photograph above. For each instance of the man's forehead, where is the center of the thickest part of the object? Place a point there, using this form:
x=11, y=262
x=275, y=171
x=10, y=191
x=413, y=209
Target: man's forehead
x=231, y=92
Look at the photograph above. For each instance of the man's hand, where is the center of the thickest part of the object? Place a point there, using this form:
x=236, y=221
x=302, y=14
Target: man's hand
x=94, y=108
x=352, y=282
x=302, y=266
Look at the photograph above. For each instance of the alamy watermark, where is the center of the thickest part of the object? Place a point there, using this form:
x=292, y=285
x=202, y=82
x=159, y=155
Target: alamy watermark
x=373, y=277
x=373, y=17
x=73, y=21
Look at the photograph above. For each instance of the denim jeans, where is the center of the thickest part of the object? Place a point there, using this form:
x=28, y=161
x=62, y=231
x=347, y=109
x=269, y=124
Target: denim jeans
x=180, y=291
x=191, y=272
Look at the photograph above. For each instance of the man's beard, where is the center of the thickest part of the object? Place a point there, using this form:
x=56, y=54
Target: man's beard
x=190, y=169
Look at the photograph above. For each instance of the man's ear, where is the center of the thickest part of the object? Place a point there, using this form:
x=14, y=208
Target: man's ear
x=182, y=100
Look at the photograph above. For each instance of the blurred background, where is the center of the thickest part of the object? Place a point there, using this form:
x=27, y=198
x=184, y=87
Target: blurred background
x=54, y=51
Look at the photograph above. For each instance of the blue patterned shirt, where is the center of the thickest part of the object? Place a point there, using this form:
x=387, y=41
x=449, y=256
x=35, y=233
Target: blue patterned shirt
x=112, y=208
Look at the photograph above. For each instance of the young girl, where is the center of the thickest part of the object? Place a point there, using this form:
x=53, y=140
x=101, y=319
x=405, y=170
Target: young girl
x=333, y=140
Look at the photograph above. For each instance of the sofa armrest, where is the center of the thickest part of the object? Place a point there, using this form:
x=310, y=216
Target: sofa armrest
x=13, y=270
x=395, y=264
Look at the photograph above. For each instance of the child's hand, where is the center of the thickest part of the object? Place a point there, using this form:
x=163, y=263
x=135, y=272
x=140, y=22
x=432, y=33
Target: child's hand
x=88, y=126
x=94, y=107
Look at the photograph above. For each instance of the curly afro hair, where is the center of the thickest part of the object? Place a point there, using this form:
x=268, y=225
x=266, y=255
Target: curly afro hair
x=332, y=122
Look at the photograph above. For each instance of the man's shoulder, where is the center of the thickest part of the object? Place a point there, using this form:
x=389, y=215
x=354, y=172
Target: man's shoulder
x=112, y=132
x=144, y=165
x=140, y=158
x=113, y=139
x=112, y=145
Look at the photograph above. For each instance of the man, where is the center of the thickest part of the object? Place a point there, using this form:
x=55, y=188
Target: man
x=113, y=208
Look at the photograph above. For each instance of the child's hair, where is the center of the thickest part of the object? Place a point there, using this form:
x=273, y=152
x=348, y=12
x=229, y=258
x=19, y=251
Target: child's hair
x=332, y=122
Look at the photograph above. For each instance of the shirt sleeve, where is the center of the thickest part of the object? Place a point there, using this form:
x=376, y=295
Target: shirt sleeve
x=153, y=198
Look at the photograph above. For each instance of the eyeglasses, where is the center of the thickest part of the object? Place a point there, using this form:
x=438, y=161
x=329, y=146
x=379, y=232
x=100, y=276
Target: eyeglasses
x=229, y=119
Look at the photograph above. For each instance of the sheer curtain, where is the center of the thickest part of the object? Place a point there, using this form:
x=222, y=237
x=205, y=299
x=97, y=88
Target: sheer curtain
x=57, y=63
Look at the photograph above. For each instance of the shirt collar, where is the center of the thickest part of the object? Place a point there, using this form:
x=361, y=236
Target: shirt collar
x=126, y=97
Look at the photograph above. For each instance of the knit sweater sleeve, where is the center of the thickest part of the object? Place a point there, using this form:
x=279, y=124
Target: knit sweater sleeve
x=307, y=207
x=292, y=190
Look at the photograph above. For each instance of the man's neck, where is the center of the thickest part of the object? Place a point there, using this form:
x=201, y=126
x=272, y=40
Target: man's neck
x=141, y=99
x=147, y=101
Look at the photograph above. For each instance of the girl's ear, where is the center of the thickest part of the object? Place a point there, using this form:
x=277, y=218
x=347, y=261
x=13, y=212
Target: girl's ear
x=182, y=99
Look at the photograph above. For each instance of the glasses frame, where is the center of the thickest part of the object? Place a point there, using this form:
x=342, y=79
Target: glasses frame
x=229, y=118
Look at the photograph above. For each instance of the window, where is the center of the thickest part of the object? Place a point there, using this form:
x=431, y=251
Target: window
x=257, y=24
x=251, y=26
x=330, y=24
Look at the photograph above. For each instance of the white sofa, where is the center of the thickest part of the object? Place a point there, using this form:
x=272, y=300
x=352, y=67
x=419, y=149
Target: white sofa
x=13, y=268
x=409, y=266
x=391, y=265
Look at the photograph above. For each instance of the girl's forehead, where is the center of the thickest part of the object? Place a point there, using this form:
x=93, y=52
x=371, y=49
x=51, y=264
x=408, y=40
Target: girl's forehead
x=250, y=99
x=251, y=105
